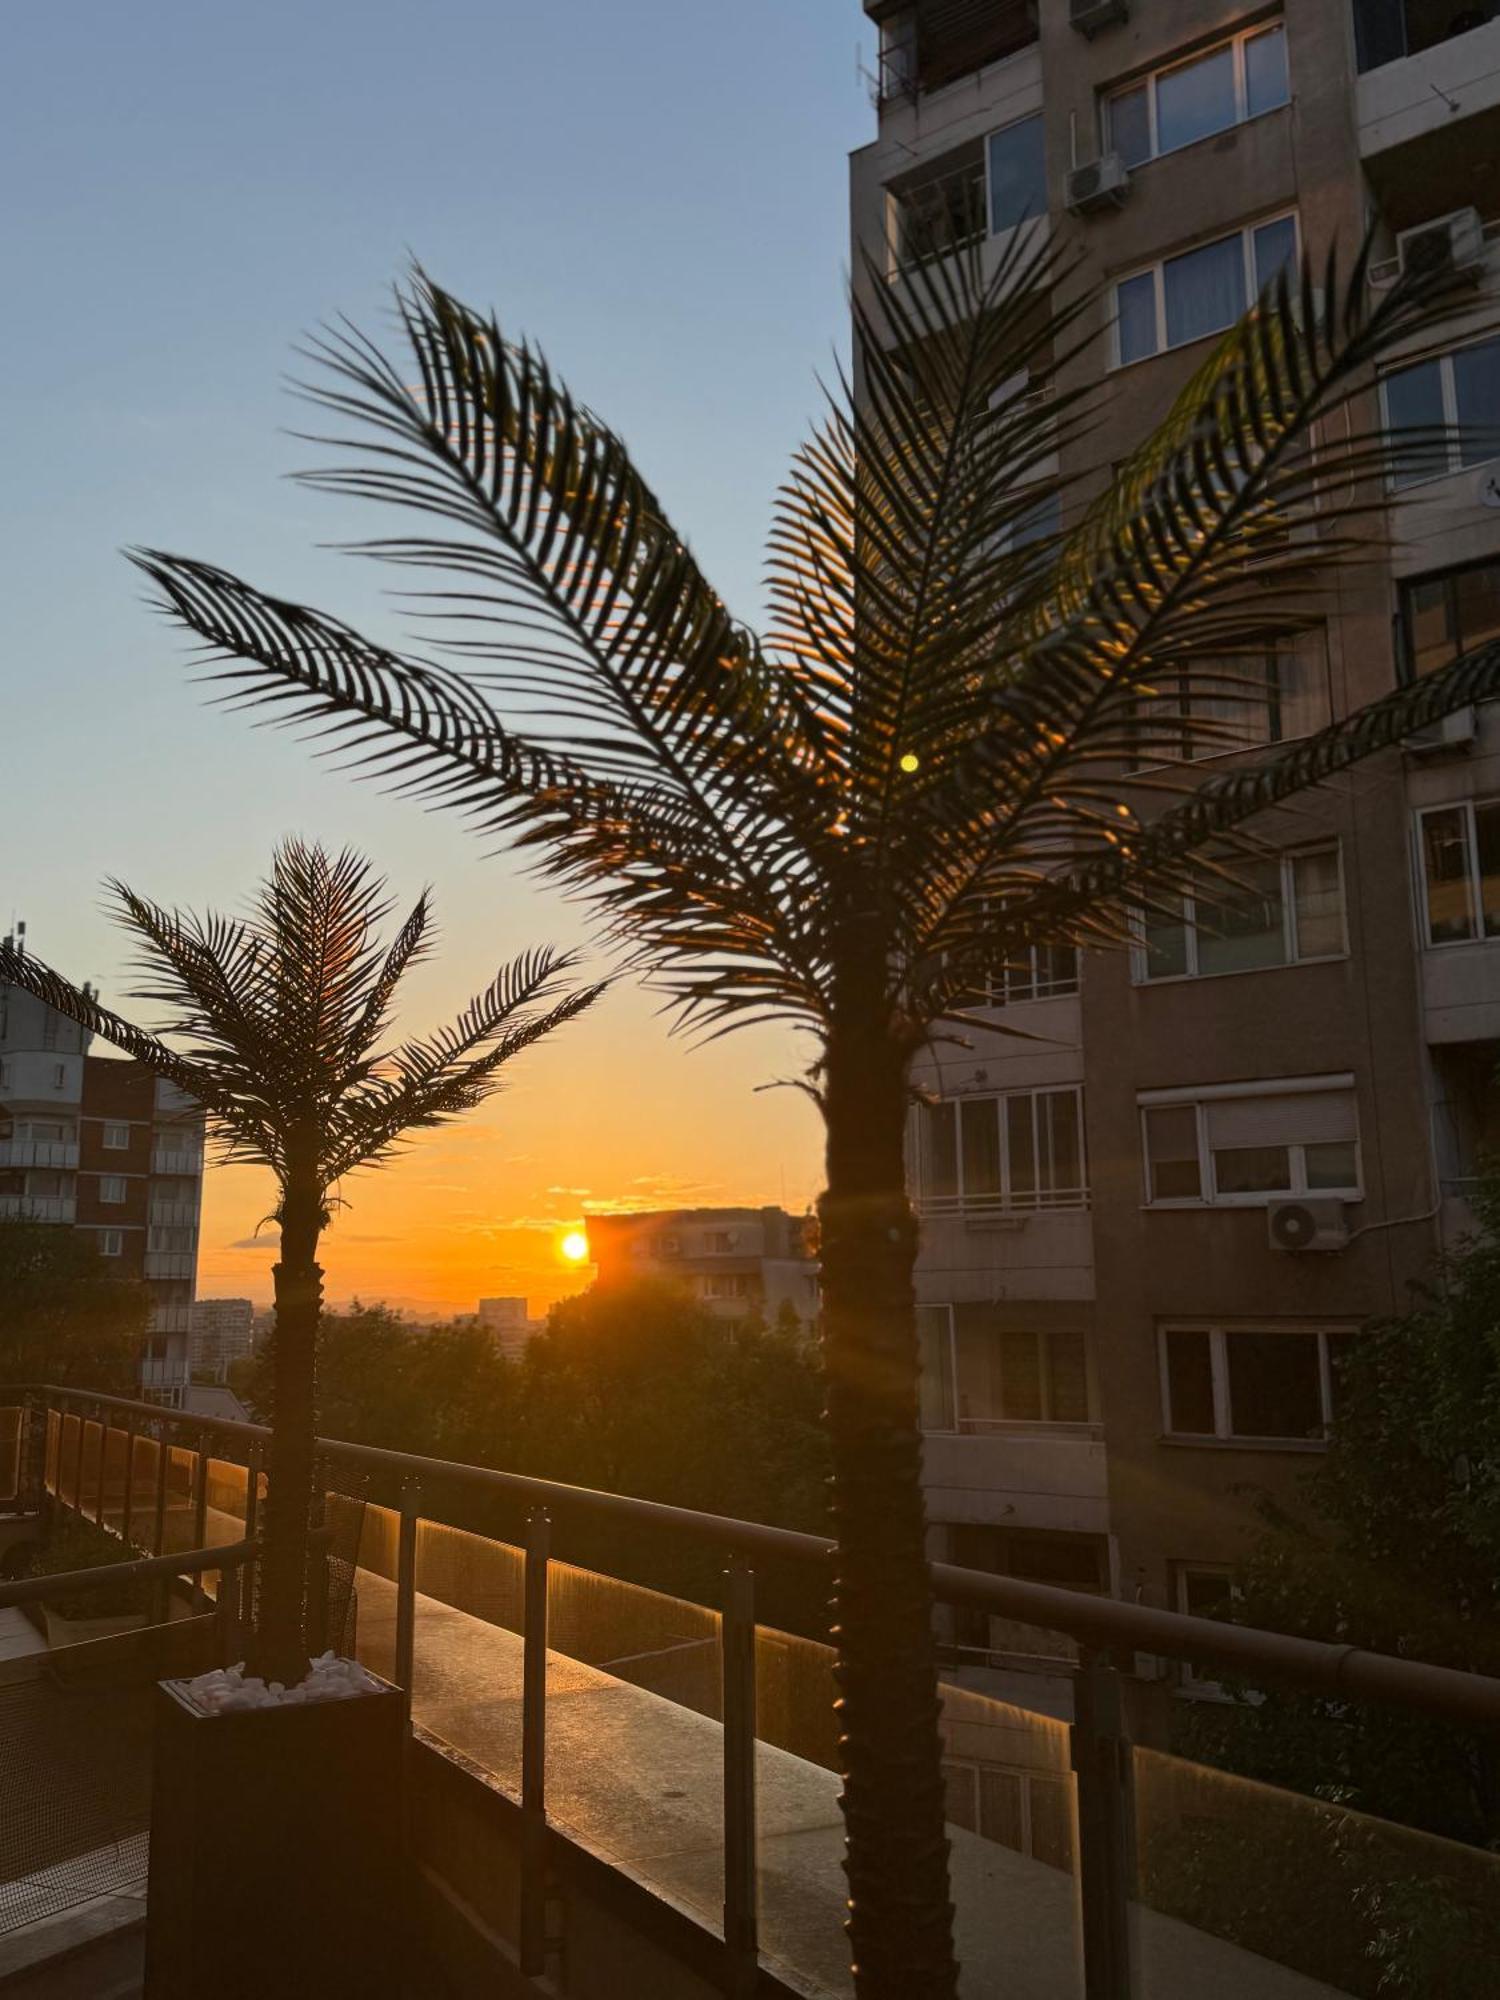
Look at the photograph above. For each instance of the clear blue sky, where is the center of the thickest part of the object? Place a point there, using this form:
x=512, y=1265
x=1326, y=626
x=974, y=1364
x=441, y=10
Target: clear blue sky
x=657, y=194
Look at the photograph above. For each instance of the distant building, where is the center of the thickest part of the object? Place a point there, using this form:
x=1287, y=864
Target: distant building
x=223, y=1330
x=510, y=1322
x=735, y=1261
x=100, y=1145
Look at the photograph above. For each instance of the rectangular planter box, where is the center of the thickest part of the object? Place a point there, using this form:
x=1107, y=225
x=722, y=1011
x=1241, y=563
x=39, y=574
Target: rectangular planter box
x=275, y=1850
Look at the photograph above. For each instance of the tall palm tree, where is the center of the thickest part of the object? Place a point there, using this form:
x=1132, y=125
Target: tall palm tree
x=915, y=775
x=277, y=1022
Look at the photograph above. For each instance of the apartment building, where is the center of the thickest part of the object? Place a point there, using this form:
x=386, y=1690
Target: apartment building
x=222, y=1331
x=102, y=1146
x=1148, y=1234
x=735, y=1261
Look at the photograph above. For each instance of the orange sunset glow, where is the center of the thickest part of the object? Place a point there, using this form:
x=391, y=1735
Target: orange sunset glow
x=489, y=1206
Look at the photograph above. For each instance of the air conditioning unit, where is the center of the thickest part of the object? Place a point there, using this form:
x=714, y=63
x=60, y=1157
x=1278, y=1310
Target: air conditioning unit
x=1103, y=183
x=1089, y=16
x=1296, y=1226
x=1455, y=731
x=1452, y=244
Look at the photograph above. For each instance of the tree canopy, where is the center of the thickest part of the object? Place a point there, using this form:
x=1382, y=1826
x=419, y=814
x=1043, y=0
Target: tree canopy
x=65, y=1316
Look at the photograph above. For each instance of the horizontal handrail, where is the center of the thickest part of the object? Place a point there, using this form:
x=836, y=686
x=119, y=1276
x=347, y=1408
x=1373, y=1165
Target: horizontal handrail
x=1102, y=1623
x=191, y=1562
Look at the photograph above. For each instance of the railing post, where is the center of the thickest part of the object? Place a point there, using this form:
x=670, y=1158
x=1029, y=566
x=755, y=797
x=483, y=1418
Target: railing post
x=163, y=1464
x=737, y=1643
x=406, y=1592
x=533, y=1941
x=200, y=1516
x=78, y=1466
x=103, y=1466
x=1102, y=1765
x=252, y=1517
x=127, y=1498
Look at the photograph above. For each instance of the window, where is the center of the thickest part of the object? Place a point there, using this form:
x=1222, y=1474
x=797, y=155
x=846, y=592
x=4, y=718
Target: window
x=1243, y=1147
x=1232, y=703
x=719, y=1239
x=111, y=1187
x=1449, y=407
x=1460, y=871
x=1201, y=291
x=59, y=1076
x=1287, y=909
x=1194, y=99
x=1203, y=1590
x=116, y=1138
x=1266, y=1384
x=977, y=1374
x=1017, y=174
x=1034, y=972
x=1449, y=613
x=111, y=1242
x=985, y=187
x=1023, y=1150
x=51, y=1024
x=1387, y=30
x=726, y=1285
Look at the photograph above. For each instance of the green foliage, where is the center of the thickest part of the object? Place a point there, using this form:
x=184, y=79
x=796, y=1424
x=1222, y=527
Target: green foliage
x=64, y=1316
x=1399, y=1552
x=76, y=1544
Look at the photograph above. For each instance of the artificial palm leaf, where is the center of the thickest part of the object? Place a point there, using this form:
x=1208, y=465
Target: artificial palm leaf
x=273, y=1023
x=930, y=762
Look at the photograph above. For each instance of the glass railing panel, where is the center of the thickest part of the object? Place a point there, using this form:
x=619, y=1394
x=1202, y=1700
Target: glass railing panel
x=177, y=1522
x=66, y=1483
x=1268, y=1878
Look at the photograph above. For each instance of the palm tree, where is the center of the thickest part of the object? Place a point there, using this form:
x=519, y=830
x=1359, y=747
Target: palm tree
x=276, y=1022
x=915, y=775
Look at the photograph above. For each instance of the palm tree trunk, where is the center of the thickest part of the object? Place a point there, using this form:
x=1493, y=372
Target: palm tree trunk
x=900, y=1917
x=279, y=1647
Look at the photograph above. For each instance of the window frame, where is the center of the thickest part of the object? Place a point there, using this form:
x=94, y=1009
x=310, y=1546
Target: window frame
x=1288, y=858
x=1468, y=807
x=111, y=1242
x=1453, y=439
x=1405, y=586
x=1003, y=1202
x=1223, y=1433
x=962, y=1426
x=898, y=260
x=1198, y=1100
x=108, y=1182
x=1150, y=81
x=112, y=1144
x=1156, y=269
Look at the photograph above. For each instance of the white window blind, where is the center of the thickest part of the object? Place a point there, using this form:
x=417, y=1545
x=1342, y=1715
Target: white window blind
x=1316, y=1118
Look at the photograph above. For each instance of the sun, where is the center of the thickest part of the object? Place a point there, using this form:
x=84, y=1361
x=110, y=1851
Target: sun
x=575, y=1247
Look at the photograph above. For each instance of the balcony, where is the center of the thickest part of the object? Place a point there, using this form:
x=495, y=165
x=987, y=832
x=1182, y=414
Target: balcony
x=171, y=1263
x=176, y=1160
x=1048, y=1476
x=171, y=1319
x=635, y=1793
x=1429, y=109
x=174, y=1215
x=39, y=1208
x=59, y=1155
x=933, y=43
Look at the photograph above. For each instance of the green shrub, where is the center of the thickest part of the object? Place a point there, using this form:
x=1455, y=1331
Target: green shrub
x=76, y=1544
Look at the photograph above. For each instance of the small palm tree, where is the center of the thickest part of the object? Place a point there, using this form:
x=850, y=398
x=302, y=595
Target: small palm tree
x=917, y=775
x=276, y=1022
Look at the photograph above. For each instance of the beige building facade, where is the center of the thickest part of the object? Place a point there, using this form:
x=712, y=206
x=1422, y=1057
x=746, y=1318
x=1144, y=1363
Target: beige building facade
x=1148, y=1235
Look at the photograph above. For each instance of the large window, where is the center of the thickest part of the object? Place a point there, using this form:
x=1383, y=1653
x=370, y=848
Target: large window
x=1263, y=1384
x=978, y=1375
x=1032, y=972
x=1387, y=30
x=1245, y=1146
x=1202, y=291
x=1286, y=909
x=1449, y=613
x=1192, y=100
x=1232, y=703
x=1460, y=871
x=1450, y=408
x=985, y=187
x=1023, y=1150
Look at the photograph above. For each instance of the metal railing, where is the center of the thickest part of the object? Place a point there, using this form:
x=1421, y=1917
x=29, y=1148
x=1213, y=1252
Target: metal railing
x=1103, y=1629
